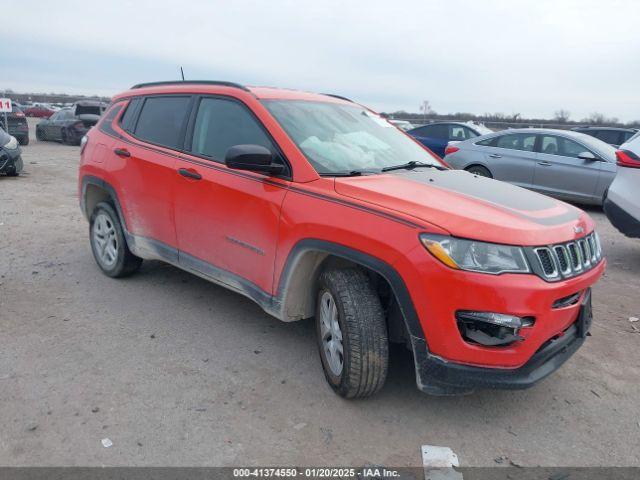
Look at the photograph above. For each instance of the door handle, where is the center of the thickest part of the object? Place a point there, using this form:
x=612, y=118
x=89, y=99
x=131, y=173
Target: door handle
x=494, y=155
x=122, y=152
x=544, y=164
x=189, y=173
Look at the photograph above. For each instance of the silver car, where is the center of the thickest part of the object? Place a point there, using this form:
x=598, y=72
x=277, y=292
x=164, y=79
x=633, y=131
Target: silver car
x=564, y=164
x=622, y=204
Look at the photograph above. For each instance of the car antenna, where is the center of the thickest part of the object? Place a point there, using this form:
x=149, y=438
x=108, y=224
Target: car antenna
x=182, y=73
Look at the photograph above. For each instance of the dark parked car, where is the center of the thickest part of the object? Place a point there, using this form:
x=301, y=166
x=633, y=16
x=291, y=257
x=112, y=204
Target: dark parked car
x=437, y=135
x=39, y=111
x=69, y=125
x=17, y=125
x=611, y=135
x=10, y=155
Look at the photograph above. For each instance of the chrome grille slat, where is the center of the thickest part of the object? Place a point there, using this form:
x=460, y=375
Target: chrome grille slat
x=565, y=260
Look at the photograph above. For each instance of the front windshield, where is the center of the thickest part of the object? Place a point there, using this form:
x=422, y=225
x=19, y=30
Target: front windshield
x=342, y=138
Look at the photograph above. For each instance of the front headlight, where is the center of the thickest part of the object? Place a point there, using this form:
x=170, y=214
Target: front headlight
x=475, y=256
x=12, y=144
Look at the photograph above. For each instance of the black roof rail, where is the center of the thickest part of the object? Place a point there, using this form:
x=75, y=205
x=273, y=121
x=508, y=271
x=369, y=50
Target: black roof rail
x=191, y=82
x=338, y=96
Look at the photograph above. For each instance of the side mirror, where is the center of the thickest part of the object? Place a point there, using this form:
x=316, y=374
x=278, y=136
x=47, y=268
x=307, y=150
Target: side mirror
x=254, y=158
x=589, y=157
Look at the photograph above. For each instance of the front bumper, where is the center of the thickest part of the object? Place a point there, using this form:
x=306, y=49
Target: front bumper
x=8, y=158
x=623, y=221
x=439, y=377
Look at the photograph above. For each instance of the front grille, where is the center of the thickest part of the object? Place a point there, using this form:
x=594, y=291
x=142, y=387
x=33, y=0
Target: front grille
x=569, y=259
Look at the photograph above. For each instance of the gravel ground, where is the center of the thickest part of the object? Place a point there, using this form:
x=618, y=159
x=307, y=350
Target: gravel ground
x=178, y=371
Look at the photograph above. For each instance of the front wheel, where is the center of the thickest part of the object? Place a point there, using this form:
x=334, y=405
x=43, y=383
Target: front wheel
x=480, y=171
x=109, y=245
x=16, y=168
x=351, y=333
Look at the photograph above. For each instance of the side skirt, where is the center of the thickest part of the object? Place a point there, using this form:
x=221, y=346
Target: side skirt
x=154, y=250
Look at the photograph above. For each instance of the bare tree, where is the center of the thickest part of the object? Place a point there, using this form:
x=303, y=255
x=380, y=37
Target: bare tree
x=562, y=115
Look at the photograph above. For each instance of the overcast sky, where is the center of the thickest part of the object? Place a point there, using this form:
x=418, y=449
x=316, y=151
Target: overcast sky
x=530, y=57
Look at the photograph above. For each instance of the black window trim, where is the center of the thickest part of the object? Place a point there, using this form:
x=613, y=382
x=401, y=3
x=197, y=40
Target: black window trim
x=188, y=139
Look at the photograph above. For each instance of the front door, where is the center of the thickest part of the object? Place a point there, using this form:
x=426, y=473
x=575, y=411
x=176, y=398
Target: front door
x=560, y=172
x=227, y=220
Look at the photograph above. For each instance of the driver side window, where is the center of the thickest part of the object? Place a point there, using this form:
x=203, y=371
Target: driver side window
x=221, y=124
x=564, y=147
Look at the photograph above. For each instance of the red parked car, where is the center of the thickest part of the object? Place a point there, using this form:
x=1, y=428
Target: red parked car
x=314, y=206
x=39, y=111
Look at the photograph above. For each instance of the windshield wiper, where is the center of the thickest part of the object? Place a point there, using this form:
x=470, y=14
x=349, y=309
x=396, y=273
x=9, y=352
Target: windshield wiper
x=411, y=165
x=352, y=173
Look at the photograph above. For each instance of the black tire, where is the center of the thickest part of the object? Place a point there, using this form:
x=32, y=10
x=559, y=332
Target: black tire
x=15, y=169
x=63, y=137
x=69, y=137
x=126, y=262
x=40, y=136
x=363, y=327
x=480, y=171
x=24, y=141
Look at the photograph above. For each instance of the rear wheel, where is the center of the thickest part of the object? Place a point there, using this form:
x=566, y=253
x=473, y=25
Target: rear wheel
x=24, y=140
x=40, y=136
x=109, y=245
x=351, y=333
x=480, y=171
x=63, y=137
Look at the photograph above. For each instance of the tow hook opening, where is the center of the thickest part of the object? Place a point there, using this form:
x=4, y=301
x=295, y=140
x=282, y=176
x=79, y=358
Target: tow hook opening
x=491, y=329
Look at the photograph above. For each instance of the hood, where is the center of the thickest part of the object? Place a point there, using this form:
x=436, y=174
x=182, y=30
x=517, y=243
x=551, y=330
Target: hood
x=470, y=206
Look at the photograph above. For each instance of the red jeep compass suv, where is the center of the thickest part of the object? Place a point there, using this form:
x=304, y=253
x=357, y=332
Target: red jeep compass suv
x=314, y=206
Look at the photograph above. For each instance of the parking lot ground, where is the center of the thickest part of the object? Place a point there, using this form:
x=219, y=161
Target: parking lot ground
x=178, y=371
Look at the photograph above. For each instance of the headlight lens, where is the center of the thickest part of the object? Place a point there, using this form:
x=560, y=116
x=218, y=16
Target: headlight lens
x=475, y=256
x=12, y=144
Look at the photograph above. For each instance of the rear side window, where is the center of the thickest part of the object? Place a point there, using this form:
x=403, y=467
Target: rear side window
x=489, y=142
x=162, y=119
x=517, y=141
x=107, y=119
x=221, y=124
x=127, y=122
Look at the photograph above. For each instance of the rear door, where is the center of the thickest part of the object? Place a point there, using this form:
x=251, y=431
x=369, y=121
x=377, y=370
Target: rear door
x=145, y=161
x=61, y=120
x=48, y=126
x=227, y=220
x=512, y=157
x=435, y=137
x=560, y=172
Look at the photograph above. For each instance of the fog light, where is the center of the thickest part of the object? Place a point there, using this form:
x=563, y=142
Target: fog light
x=490, y=328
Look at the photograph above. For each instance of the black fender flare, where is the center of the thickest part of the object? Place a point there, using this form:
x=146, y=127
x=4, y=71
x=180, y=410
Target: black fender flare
x=99, y=182
x=384, y=269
